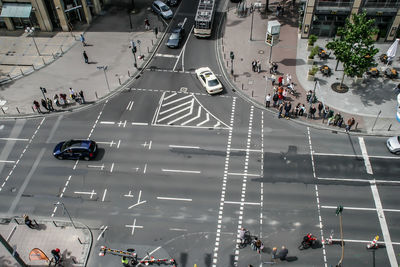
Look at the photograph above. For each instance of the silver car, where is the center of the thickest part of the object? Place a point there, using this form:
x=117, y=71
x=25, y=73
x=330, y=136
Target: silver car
x=161, y=9
x=393, y=144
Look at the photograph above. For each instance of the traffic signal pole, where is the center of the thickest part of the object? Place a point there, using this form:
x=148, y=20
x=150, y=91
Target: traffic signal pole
x=339, y=211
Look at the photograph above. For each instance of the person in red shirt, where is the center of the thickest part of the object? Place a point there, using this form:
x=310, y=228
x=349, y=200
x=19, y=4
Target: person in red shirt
x=280, y=80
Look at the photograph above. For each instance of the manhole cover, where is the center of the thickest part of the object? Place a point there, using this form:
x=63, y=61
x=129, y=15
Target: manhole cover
x=183, y=89
x=261, y=51
x=340, y=89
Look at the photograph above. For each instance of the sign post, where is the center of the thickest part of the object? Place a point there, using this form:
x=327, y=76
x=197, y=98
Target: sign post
x=272, y=35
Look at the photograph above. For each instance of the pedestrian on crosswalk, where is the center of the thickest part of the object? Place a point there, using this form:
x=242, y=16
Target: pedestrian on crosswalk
x=85, y=56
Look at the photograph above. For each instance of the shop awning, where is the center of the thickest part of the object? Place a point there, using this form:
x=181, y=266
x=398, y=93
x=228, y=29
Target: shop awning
x=13, y=10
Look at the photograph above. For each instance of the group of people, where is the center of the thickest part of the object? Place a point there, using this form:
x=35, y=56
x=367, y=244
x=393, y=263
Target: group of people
x=256, y=66
x=60, y=100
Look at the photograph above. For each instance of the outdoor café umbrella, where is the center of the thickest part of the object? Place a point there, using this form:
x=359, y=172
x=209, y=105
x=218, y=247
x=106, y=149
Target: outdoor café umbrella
x=391, y=53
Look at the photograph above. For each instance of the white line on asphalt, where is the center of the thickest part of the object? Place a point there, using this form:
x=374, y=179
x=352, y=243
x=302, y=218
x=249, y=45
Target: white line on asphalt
x=104, y=195
x=107, y=122
x=240, y=203
x=145, y=168
x=185, y=115
x=182, y=51
x=130, y=105
x=261, y=173
x=7, y=161
x=86, y=193
x=133, y=226
x=359, y=180
x=155, y=116
x=140, y=196
x=14, y=139
x=177, y=100
x=119, y=143
x=361, y=241
x=181, y=171
x=336, y=155
x=245, y=150
x=171, y=95
x=106, y=143
x=178, y=229
x=96, y=166
x=194, y=118
x=140, y=123
x=129, y=194
x=384, y=227
x=188, y=103
x=174, y=198
x=173, y=114
x=147, y=256
x=137, y=204
x=166, y=55
x=206, y=120
x=112, y=167
x=188, y=147
x=207, y=111
x=242, y=174
x=356, y=208
x=365, y=155
x=102, y=232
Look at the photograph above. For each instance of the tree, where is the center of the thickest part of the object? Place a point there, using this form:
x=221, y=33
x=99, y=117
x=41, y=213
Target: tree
x=355, y=46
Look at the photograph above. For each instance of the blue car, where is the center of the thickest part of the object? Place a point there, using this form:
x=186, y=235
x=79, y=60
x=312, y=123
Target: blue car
x=76, y=149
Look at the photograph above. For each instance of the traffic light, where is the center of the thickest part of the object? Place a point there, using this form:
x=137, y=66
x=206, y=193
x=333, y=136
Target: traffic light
x=269, y=40
x=232, y=55
x=134, y=49
x=339, y=209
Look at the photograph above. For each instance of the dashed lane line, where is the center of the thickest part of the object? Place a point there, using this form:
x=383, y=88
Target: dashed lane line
x=166, y=55
x=224, y=181
x=367, y=163
x=242, y=174
x=358, y=180
x=354, y=155
x=317, y=198
x=361, y=241
x=261, y=174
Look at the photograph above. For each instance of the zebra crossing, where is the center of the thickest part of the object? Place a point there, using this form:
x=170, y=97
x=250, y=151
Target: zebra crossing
x=184, y=110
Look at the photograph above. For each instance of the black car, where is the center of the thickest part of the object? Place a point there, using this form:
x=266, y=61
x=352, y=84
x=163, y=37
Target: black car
x=176, y=37
x=75, y=149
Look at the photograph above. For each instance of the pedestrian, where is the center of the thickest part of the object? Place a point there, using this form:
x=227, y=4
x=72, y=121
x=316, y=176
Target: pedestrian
x=278, y=10
x=312, y=112
x=85, y=56
x=282, y=10
x=37, y=106
x=280, y=80
x=125, y=261
x=44, y=104
x=273, y=79
x=82, y=38
x=254, y=65
x=50, y=104
x=285, y=93
x=280, y=108
x=267, y=101
x=350, y=123
x=288, y=107
x=242, y=234
x=56, y=255
x=72, y=93
x=280, y=98
x=302, y=110
x=257, y=245
x=297, y=109
x=320, y=107
x=288, y=79
x=275, y=99
x=147, y=24
x=82, y=96
x=156, y=31
x=258, y=66
x=283, y=253
x=56, y=102
x=397, y=89
x=28, y=222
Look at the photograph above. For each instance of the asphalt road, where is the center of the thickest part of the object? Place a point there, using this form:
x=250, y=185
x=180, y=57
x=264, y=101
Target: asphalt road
x=179, y=172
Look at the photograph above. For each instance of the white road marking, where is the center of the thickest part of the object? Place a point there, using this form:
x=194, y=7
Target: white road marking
x=129, y=194
x=357, y=208
x=365, y=155
x=173, y=114
x=130, y=105
x=96, y=166
x=122, y=123
x=242, y=203
x=145, y=168
x=180, y=171
x=183, y=51
x=242, y=174
x=178, y=229
x=107, y=122
x=188, y=147
x=317, y=197
x=174, y=198
x=245, y=150
x=359, y=180
x=155, y=116
x=14, y=139
x=205, y=121
x=166, y=55
x=177, y=100
x=140, y=123
x=384, y=227
x=148, y=255
x=133, y=226
x=194, y=118
x=104, y=195
x=106, y=143
x=151, y=142
x=171, y=95
x=86, y=193
x=261, y=173
x=112, y=167
x=176, y=107
x=7, y=161
x=102, y=232
x=137, y=204
x=184, y=116
x=362, y=241
x=119, y=143
x=353, y=155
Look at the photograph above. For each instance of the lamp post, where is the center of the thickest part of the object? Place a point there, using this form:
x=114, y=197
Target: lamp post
x=65, y=209
x=232, y=55
x=30, y=31
x=104, y=68
x=133, y=46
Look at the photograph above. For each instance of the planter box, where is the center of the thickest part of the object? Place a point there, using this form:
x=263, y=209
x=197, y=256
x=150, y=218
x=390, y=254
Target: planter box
x=309, y=47
x=310, y=61
x=358, y=80
x=310, y=77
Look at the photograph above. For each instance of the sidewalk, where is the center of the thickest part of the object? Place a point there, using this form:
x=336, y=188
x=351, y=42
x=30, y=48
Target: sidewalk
x=108, y=40
x=362, y=101
x=75, y=244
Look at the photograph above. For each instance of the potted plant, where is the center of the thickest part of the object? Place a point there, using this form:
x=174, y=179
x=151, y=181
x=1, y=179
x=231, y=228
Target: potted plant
x=311, y=41
x=312, y=72
x=313, y=52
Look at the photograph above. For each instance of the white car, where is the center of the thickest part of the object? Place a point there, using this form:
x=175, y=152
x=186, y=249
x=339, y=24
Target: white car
x=209, y=81
x=393, y=144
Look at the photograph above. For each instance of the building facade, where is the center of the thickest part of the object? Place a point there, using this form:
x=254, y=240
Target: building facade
x=48, y=15
x=323, y=17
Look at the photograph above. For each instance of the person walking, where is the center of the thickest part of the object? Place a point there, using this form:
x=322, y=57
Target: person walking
x=242, y=235
x=82, y=96
x=37, y=106
x=44, y=104
x=28, y=222
x=56, y=255
x=273, y=79
x=258, y=66
x=268, y=100
x=254, y=65
x=320, y=107
x=312, y=112
x=82, y=38
x=275, y=99
x=50, y=104
x=288, y=107
x=350, y=124
x=280, y=108
x=288, y=79
x=280, y=80
x=85, y=56
x=147, y=24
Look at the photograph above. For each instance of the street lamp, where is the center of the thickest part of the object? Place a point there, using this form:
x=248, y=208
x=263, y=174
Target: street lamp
x=232, y=55
x=104, y=68
x=30, y=31
x=65, y=209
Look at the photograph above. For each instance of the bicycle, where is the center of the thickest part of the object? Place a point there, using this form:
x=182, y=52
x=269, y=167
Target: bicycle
x=308, y=241
x=247, y=239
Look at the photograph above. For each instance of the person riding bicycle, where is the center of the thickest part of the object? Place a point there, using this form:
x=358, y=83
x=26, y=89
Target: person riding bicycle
x=56, y=255
x=242, y=235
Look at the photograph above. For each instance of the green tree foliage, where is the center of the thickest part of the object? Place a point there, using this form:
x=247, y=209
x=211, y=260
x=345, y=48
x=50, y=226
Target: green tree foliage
x=355, y=46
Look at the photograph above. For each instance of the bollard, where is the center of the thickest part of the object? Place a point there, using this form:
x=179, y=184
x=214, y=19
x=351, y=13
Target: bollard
x=119, y=80
x=22, y=73
x=129, y=74
x=224, y=56
x=148, y=51
x=390, y=126
x=252, y=93
x=96, y=95
x=17, y=110
x=152, y=42
x=356, y=126
x=242, y=87
x=43, y=61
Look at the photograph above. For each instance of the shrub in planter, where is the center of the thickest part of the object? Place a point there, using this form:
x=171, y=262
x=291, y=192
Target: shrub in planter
x=312, y=39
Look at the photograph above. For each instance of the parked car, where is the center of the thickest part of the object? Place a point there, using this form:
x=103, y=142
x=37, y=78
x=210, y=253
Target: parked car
x=393, y=144
x=161, y=9
x=209, y=80
x=177, y=35
x=76, y=149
